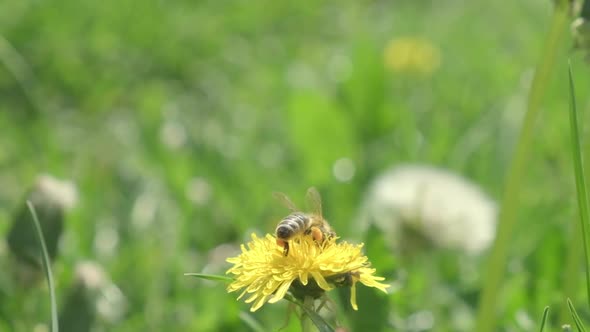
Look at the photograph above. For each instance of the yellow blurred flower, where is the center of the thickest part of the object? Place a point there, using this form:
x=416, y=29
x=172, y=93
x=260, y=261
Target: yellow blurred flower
x=263, y=272
x=412, y=54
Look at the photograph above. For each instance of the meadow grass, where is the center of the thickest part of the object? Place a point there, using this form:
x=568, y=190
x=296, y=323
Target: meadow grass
x=46, y=268
x=581, y=189
x=510, y=201
x=178, y=120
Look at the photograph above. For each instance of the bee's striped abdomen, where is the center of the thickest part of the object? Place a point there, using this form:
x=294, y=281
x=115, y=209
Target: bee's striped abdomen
x=292, y=224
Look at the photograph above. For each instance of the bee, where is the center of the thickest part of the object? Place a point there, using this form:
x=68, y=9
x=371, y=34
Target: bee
x=312, y=223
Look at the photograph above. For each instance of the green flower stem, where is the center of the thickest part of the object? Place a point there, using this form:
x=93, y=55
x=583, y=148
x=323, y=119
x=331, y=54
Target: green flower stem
x=488, y=306
x=306, y=323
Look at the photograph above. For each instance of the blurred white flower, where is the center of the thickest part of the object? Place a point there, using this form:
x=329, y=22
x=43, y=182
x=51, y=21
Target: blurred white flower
x=145, y=208
x=442, y=207
x=90, y=275
x=106, y=239
x=93, y=297
x=199, y=191
x=344, y=169
x=173, y=134
x=61, y=193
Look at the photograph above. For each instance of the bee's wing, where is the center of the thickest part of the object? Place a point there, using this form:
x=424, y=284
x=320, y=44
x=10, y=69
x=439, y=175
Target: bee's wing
x=314, y=200
x=285, y=201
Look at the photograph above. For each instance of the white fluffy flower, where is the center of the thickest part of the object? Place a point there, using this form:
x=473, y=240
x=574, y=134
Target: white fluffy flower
x=61, y=193
x=443, y=207
x=94, y=285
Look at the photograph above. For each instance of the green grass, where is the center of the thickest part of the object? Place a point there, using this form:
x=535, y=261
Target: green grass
x=576, y=318
x=581, y=187
x=178, y=120
x=495, y=269
x=46, y=268
x=544, y=319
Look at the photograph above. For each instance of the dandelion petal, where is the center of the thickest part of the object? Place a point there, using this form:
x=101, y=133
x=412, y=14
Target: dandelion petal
x=321, y=281
x=258, y=303
x=280, y=293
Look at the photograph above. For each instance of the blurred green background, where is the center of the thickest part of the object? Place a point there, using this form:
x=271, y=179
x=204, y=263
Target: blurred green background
x=177, y=120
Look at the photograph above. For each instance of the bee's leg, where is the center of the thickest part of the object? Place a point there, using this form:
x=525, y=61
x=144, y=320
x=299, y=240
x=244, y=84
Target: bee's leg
x=285, y=245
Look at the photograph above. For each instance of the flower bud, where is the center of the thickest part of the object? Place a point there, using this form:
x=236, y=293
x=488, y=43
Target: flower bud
x=51, y=198
x=93, y=299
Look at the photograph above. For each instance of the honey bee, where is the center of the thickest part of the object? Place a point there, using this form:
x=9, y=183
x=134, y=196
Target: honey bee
x=312, y=223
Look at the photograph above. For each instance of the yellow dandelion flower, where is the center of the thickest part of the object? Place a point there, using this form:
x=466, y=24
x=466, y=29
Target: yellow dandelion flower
x=412, y=54
x=263, y=273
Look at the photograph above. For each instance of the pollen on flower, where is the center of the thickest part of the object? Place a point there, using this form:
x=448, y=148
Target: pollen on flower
x=264, y=274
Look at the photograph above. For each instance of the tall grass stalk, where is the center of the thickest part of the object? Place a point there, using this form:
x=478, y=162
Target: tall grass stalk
x=544, y=320
x=46, y=268
x=486, y=316
x=580, y=178
x=578, y=244
x=575, y=317
x=571, y=275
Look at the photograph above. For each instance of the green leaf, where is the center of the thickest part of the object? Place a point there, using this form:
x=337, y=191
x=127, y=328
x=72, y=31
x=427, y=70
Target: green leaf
x=544, y=320
x=46, y=268
x=575, y=316
x=580, y=177
x=212, y=277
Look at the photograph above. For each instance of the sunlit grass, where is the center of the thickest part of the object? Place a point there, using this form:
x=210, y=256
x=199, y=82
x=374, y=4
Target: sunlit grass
x=177, y=133
x=581, y=187
x=486, y=319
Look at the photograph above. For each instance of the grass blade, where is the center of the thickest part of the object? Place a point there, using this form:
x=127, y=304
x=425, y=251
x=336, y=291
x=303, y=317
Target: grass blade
x=16, y=65
x=580, y=177
x=575, y=316
x=46, y=268
x=254, y=325
x=316, y=319
x=486, y=315
x=544, y=320
x=212, y=277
